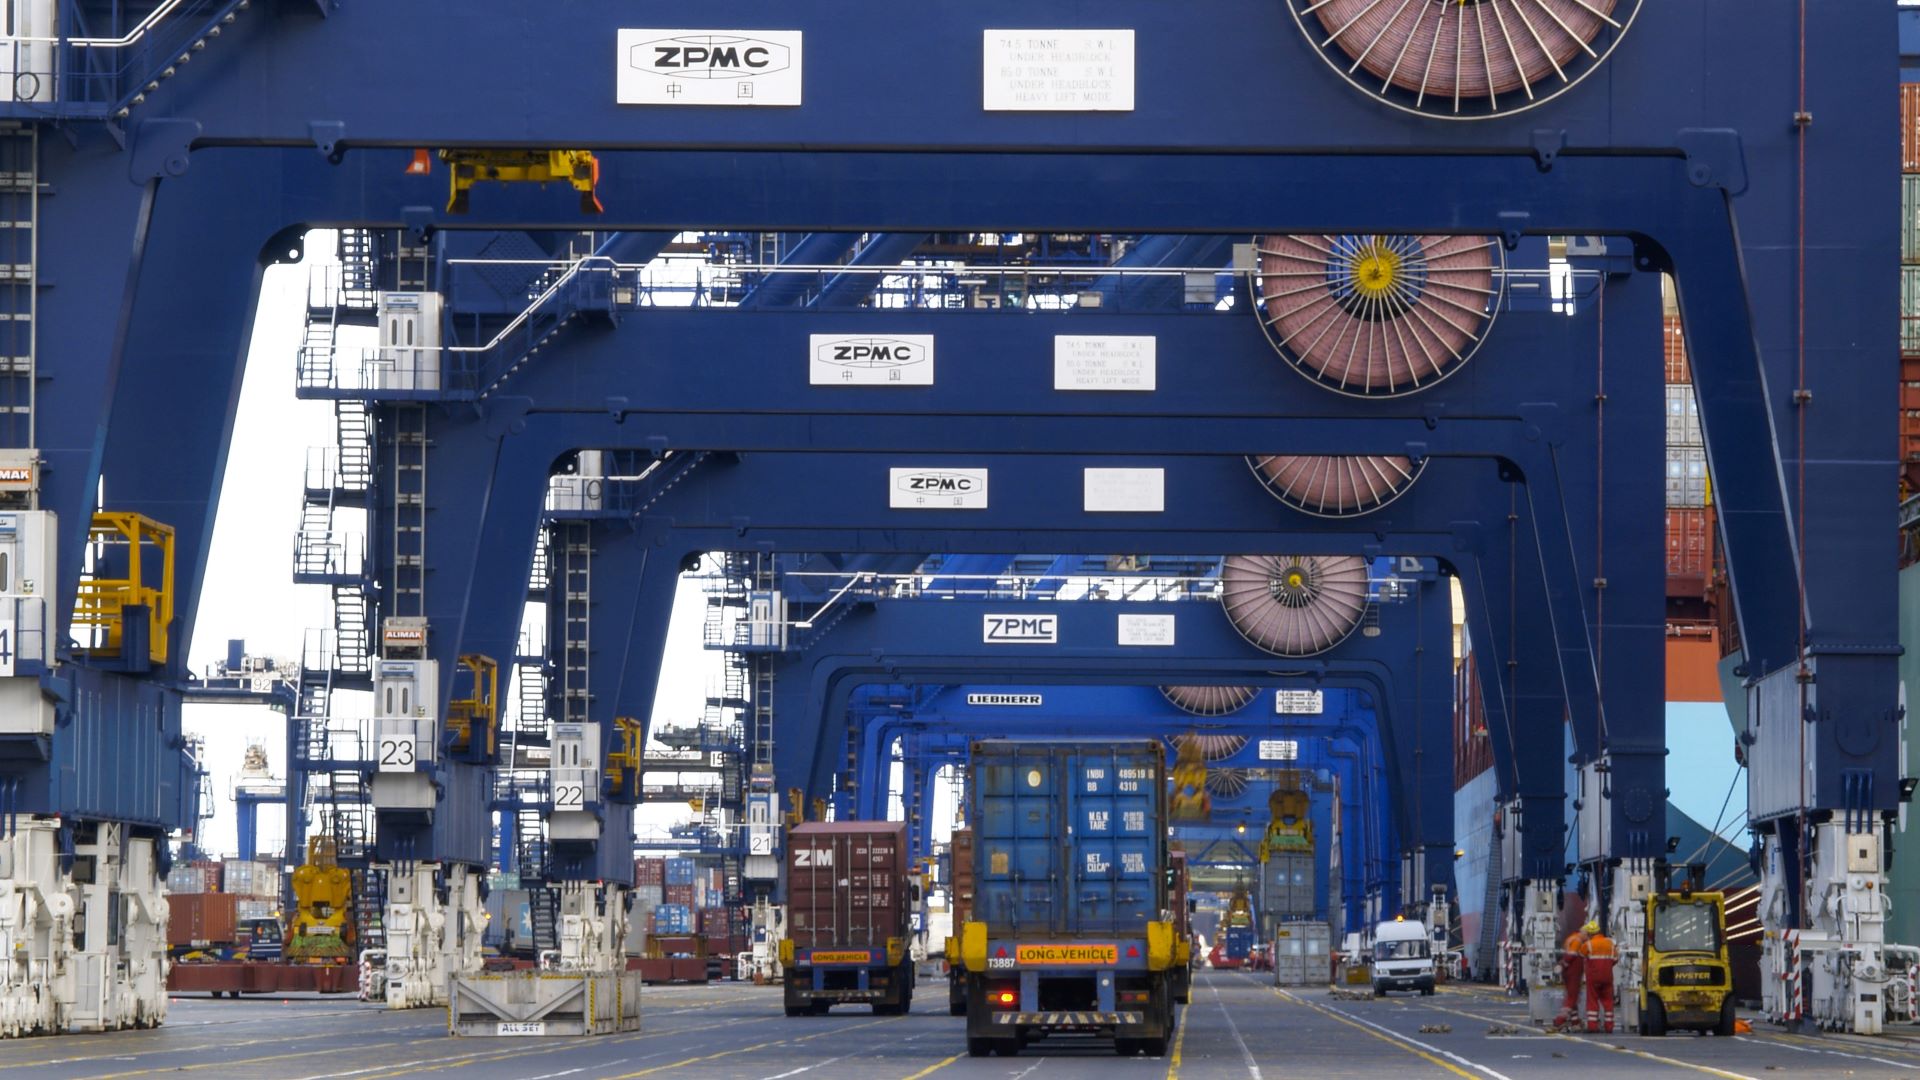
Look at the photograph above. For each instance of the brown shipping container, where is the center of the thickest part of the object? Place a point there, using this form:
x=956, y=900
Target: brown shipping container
x=650, y=872
x=1689, y=550
x=845, y=888
x=1674, y=347
x=201, y=918
x=1910, y=127
x=962, y=877
x=679, y=894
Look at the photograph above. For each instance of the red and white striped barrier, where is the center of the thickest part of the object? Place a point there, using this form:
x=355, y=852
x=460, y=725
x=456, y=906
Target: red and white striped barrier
x=1793, y=1005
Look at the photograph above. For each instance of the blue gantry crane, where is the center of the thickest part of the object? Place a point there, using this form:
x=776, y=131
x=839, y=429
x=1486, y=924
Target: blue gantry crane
x=200, y=140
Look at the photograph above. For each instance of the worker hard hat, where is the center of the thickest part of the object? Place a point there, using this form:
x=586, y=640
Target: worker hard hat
x=1592, y=927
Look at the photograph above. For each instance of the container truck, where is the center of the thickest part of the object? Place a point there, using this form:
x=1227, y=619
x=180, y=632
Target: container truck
x=960, y=873
x=1071, y=930
x=847, y=918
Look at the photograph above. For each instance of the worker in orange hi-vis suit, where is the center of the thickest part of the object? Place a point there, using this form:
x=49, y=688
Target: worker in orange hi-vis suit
x=1600, y=960
x=1573, y=970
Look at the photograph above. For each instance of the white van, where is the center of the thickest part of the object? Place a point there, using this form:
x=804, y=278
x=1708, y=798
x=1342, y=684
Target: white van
x=1402, y=957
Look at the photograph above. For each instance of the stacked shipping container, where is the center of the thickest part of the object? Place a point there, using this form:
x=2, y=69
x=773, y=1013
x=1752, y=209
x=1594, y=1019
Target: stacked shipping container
x=1689, y=510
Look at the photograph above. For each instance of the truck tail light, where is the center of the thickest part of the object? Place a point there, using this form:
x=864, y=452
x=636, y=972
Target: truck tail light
x=1005, y=999
x=1134, y=997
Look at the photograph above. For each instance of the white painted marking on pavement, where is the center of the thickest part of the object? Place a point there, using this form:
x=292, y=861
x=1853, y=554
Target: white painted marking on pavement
x=1819, y=1050
x=1253, y=1067
x=805, y=1068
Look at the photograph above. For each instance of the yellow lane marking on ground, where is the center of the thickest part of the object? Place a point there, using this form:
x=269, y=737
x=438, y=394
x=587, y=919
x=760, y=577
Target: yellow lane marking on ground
x=934, y=1068
x=746, y=1049
x=1392, y=1038
x=1616, y=1048
x=1179, y=1041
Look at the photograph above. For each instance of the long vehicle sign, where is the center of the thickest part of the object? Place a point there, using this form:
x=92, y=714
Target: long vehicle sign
x=1067, y=955
x=824, y=957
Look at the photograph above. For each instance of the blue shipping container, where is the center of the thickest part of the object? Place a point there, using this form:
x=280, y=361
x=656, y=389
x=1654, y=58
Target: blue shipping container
x=1239, y=942
x=673, y=919
x=1071, y=837
x=680, y=871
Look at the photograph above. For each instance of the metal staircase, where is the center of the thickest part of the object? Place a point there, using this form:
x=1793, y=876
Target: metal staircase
x=359, y=281
x=585, y=286
x=369, y=907
x=543, y=909
x=1492, y=918
x=19, y=279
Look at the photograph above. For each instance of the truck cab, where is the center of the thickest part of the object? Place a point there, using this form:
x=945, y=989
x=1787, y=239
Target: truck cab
x=1688, y=981
x=1402, y=957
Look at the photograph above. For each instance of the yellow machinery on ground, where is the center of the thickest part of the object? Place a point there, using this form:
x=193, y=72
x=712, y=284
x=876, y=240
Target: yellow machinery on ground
x=322, y=930
x=1688, y=980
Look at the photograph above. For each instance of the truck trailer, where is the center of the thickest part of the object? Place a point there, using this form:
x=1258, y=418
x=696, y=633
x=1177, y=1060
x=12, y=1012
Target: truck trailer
x=847, y=918
x=1072, y=932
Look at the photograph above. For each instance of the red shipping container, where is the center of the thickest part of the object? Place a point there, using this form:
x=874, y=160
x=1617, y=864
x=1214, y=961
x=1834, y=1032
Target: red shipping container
x=1674, y=348
x=1910, y=127
x=678, y=894
x=1689, y=551
x=202, y=918
x=844, y=887
x=650, y=872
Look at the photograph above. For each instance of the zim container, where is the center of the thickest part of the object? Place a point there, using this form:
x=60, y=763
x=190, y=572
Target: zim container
x=1070, y=838
x=846, y=886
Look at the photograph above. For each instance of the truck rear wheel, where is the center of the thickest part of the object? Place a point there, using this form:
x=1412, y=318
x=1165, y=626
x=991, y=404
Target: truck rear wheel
x=1656, y=1017
x=977, y=1047
x=1724, y=1028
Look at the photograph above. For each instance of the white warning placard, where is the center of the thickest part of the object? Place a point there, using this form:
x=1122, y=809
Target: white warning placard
x=1058, y=71
x=1146, y=630
x=1125, y=491
x=1104, y=362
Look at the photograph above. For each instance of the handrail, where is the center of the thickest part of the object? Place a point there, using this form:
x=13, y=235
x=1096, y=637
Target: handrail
x=139, y=31
x=521, y=319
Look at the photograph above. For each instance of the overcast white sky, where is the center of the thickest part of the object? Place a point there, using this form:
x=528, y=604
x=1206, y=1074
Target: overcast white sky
x=249, y=591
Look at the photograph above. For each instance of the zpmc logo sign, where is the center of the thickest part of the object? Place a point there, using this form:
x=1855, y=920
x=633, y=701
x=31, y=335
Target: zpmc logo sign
x=709, y=56
x=1021, y=629
x=708, y=67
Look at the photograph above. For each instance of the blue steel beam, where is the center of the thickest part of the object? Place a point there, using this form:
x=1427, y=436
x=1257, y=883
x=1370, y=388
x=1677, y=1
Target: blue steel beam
x=1725, y=482
x=268, y=80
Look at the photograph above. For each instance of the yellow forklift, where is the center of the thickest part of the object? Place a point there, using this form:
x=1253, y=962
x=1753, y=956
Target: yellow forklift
x=1686, y=981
